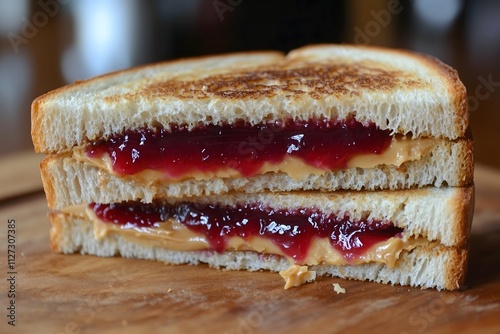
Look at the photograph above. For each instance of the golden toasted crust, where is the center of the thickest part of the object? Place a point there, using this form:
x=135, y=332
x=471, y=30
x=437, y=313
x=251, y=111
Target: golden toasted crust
x=452, y=79
x=36, y=121
x=57, y=221
x=457, y=268
x=468, y=159
x=294, y=79
x=463, y=204
x=48, y=180
x=36, y=105
x=309, y=82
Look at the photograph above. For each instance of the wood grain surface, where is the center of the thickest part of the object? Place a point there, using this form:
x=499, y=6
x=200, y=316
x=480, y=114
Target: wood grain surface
x=85, y=294
x=19, y=174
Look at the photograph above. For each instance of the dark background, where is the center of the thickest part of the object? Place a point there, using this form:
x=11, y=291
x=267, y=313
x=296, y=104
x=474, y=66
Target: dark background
x=48, y=43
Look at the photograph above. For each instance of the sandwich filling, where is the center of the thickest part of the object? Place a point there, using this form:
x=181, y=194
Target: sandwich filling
x=303, y=236
x=296, y=148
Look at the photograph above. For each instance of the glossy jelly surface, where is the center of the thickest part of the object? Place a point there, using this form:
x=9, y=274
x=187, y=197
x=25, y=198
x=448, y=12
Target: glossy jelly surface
x=326, y=145
x=292, y=231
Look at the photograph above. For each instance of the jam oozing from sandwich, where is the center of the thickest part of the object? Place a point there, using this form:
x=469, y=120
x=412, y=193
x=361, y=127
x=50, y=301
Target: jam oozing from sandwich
x=292, y=231
x=327, y=145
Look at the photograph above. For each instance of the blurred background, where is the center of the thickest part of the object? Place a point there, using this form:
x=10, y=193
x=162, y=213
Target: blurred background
x=49, y=43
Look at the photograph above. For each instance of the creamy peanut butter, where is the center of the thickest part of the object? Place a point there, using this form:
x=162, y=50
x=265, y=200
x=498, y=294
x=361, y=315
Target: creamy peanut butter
x=400, y=151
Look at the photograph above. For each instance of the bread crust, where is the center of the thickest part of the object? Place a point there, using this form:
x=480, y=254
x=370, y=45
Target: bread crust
x=397, y=90
x=49, y=186
x=428, y=267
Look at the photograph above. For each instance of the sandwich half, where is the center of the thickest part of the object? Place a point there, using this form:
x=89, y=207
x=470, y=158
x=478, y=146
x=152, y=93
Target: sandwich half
x=342, y=160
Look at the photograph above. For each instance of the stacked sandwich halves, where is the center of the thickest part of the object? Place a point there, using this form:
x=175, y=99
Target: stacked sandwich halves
x=349, y=161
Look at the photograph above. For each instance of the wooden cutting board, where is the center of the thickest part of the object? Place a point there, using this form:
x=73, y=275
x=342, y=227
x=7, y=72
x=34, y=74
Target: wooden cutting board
x=83, y=294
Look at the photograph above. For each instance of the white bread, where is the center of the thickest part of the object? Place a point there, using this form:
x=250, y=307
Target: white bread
x=439, y=267
x=69, y=182
x=397, y=90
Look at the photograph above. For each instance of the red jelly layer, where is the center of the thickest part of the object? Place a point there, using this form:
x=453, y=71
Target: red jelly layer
x=323, y=144
x=293, y=231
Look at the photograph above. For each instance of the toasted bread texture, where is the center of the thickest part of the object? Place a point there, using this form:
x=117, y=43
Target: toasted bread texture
x=427, y=267
x=68, y=181
x=404, y=92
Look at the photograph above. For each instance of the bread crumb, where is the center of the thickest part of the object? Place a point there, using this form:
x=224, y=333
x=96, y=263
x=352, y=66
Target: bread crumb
x=169, y=289
x=297, y=275
x=337, y=288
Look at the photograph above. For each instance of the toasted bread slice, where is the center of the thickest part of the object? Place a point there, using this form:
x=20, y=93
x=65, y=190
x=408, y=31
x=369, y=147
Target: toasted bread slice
x=397, y=90
x=442, y=267
x=437, y=266
x=68, y=181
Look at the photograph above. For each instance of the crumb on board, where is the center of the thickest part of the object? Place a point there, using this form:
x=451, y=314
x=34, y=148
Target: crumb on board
x=337, y=288
x=297, y=275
